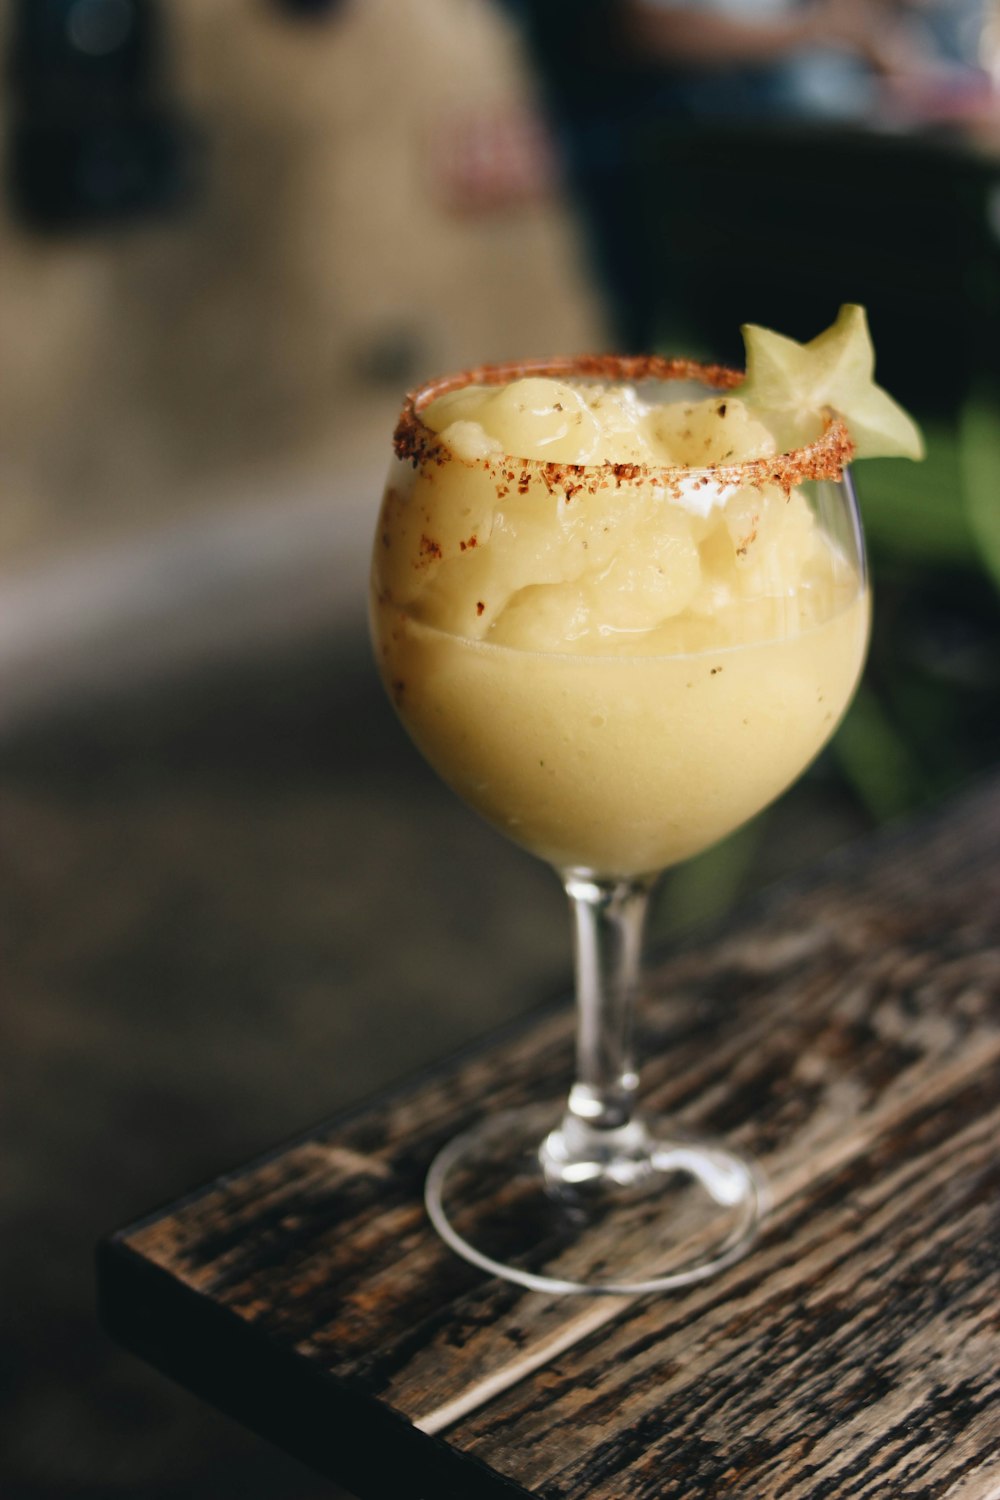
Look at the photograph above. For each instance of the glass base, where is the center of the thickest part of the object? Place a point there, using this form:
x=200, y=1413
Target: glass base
x=558, y=1206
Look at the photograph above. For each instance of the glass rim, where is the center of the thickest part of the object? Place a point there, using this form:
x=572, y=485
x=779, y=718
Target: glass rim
x=825, y=457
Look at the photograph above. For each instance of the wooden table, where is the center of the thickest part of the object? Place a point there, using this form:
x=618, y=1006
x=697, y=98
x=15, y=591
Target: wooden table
x=847, y=1030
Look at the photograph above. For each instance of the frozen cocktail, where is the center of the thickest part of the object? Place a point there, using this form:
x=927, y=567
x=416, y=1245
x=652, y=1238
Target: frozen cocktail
x=619, y=605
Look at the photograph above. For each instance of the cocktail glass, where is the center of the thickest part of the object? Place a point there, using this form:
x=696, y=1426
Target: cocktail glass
x=612, y=750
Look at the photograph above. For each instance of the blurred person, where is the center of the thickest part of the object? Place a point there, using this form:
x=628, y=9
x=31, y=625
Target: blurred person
x=611, y=69
x=954, y=86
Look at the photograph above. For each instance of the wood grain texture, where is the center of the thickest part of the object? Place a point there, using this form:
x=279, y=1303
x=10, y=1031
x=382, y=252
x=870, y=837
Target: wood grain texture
x=847, y=1031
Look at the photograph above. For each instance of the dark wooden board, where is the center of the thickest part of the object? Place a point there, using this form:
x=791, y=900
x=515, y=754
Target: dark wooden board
x=846, y=1030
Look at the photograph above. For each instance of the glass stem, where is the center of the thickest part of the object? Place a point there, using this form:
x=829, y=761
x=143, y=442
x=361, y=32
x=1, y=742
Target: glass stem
x=608, y=918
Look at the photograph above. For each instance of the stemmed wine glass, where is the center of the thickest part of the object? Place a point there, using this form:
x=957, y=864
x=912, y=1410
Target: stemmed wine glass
x=616, y=664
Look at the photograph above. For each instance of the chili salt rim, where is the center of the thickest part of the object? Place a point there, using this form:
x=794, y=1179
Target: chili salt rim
x=824, y=458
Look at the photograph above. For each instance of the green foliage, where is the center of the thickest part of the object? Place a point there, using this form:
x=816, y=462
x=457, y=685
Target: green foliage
x=873, y=755
x=917, y=511
x=705, y=887
x=979, y=469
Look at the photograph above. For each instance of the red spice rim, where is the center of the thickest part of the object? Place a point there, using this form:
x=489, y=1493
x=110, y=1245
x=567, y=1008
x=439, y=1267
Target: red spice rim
x=824, y=458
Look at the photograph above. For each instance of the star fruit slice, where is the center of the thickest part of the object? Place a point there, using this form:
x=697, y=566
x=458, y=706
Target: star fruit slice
x=789, y=384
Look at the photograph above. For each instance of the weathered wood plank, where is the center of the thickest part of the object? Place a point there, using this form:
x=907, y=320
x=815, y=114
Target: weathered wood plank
x=855, y=1349
x=846, y=1030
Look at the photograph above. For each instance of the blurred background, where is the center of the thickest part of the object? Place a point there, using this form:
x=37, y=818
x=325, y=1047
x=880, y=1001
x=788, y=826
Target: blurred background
x=232, y=233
